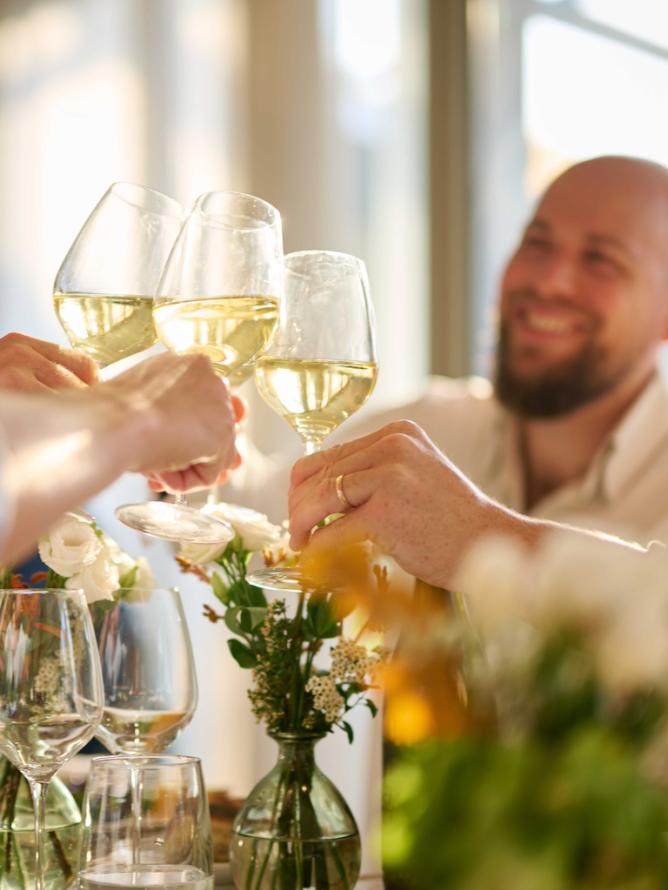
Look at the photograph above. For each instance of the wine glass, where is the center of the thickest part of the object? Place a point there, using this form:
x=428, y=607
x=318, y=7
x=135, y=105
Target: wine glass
x=103, y=292
x=174, y=847
x=321, y=366
x=50, y=688
x=219, y=295
x=103, y=295
x=148, y=670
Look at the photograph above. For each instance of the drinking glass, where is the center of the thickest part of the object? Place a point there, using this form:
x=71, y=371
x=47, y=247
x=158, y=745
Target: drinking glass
x=219, y=295
x=50, y=688
x=103, y=292
x=175, y=848
x=148, y=670
x=321, y=366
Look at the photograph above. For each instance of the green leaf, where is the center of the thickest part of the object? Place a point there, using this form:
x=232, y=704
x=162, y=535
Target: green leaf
x=257, y=615
x=319, y=619
x=126, y=581
x=347, y=728
x=371, y=706
x=241, y=654
x=233, y=620
x=53, y=579
x=256, y=596
x=220, y=589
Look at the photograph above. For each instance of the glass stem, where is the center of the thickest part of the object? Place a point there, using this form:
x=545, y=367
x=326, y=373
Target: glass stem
x=312, y=445
x=180, y=500
x=38, y=792
x=136, y=794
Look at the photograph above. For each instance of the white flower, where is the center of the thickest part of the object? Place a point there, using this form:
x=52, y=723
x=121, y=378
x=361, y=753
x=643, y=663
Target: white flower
x=326, y=697
x=145, y=579
x=99, y=581
x=70, y=545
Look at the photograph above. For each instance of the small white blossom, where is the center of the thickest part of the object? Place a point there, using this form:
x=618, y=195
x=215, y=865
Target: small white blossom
x=351, y=662
x=326, y=697
x=99, y=581
x=70, y=545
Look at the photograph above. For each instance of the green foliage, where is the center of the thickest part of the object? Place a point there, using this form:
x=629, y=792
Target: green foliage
x=281, y=648
x=563, y=800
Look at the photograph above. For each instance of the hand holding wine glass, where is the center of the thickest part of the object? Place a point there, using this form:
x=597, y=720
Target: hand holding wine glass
x=321, y=366
x=50, y=688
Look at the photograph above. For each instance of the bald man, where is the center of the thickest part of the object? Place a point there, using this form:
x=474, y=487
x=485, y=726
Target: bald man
x=574, y=426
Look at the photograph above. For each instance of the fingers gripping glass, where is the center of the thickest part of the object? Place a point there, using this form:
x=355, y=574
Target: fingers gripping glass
x=219, y=295
x=321, y=366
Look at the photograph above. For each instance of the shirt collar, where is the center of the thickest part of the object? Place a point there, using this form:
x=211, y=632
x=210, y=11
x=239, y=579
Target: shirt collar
x=640, y=432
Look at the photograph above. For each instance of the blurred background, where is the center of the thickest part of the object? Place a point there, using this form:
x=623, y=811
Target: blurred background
x=413, y=133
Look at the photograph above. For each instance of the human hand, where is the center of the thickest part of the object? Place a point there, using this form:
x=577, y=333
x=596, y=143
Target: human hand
x=239, y=408
x=31, y=365
x=187, y=420
x=403, y=494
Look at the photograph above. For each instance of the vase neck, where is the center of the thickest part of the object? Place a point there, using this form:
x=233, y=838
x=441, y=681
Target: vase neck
x=296, y=748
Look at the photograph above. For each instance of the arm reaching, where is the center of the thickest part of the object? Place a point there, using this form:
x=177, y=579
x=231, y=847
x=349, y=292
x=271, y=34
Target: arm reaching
x=170, y=416
x=408, y=498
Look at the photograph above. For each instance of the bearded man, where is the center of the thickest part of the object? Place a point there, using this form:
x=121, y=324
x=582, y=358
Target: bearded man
x=574, y=425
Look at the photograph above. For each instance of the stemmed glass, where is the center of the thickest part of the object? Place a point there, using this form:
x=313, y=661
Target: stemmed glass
x=174, y=847
x=321, y=366
x=219, y=295
x=148, y=670
x=51, y=693
x=103, y=292
x=104, y=289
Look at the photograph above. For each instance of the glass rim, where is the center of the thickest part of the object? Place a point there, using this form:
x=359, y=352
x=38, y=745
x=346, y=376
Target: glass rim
x=61, y=591
x=149, y=761
x=118, y=187
x=347, y=262
x=271, y=220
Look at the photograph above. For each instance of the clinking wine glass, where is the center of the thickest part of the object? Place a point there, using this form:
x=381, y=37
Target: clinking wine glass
x=104, y=289
x=321, y=366
x=51, y=693
x=103, y=292
x=219, y=295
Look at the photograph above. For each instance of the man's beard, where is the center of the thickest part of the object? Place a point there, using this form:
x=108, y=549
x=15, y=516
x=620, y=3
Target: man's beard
x=551, y=393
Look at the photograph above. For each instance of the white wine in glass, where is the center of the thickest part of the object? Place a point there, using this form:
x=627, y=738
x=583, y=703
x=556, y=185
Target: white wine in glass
x=50, y=688
x=219, y=295
x=103, y=292
x=321, y=366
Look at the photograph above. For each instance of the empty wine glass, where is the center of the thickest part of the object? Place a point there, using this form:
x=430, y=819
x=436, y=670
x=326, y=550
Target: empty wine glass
x=321, y=366
x=103, y=292
x=174, y=847
x=148, y=670
x=219, y=295
x=50, y=688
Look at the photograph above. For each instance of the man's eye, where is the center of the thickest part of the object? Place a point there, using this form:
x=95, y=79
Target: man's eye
x=600, y=260
x=535, y=242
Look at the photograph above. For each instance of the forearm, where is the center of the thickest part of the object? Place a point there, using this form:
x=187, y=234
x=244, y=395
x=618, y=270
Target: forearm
x=59, y=451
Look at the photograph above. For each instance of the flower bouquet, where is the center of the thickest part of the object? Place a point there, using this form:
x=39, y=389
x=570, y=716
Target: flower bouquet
x=295, y=829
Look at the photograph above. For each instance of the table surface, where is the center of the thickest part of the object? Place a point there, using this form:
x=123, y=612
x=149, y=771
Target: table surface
x=223, y=879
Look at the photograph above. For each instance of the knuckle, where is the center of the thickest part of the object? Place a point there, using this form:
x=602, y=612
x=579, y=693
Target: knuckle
x=13, y=338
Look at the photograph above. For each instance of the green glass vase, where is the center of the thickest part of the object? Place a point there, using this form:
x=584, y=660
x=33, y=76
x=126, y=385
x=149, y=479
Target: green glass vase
x=295, y=830
x=17, y=833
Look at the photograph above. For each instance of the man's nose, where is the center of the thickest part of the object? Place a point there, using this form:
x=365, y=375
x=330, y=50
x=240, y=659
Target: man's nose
x=556, y=276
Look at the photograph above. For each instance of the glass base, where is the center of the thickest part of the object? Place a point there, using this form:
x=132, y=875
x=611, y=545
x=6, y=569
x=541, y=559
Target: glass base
x=278, y=579
x=174, y=522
